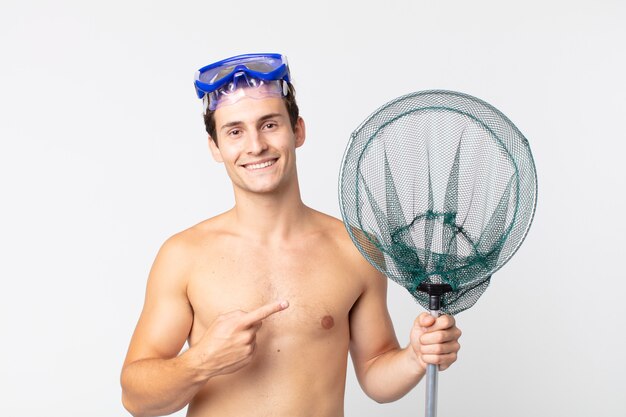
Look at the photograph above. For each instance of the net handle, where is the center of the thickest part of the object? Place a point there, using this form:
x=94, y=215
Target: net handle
x=434, y=291
x=432, y=379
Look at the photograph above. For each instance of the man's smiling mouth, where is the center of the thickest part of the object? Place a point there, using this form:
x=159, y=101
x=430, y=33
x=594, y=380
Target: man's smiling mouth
x=260, y=165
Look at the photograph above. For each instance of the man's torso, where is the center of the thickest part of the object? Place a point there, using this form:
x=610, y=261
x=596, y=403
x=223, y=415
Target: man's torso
x=301, y=355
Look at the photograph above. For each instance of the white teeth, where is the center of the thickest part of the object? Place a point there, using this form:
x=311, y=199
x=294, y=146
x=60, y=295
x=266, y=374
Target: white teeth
x=261, y=165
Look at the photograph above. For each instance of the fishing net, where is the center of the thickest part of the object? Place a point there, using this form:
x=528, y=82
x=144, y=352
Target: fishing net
x=438, y=190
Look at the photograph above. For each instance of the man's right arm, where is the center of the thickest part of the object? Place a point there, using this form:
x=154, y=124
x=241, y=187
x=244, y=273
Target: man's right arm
x=155, y=379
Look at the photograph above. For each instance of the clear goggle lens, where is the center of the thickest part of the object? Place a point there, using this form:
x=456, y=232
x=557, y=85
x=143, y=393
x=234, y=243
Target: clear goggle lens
x=244, y=86
x=261, y=65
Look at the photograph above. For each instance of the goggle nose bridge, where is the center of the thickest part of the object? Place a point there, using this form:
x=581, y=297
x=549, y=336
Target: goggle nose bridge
x=239, y=76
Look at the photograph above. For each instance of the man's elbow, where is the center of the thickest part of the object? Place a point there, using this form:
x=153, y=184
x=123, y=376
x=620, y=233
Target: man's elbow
x=132, y=408
x=129, y=407
x=379, y=393
x=381, y=398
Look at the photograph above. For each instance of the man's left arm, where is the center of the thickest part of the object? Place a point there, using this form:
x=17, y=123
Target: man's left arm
x=385, y=371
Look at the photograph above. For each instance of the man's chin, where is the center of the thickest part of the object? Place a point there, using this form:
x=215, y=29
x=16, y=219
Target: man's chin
x=261, y=189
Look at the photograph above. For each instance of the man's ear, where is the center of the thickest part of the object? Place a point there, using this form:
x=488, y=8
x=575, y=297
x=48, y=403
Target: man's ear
x=300, y=132
x=215, y=150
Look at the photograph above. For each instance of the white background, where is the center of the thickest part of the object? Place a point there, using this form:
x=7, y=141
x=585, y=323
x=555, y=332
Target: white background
x=103, y=156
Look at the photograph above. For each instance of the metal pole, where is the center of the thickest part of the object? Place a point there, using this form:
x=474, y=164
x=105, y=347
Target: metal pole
x=432, y=374
x=434, y=291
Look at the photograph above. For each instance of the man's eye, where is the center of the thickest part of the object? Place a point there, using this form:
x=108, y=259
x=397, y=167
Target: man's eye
x=234, y=132
x=270, y=125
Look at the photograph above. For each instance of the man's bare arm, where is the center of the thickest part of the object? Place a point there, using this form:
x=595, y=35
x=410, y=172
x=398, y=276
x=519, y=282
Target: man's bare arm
x=385, y=371
x=155, y=381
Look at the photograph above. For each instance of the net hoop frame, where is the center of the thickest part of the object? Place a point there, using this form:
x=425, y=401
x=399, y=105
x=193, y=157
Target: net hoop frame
x=498, y=113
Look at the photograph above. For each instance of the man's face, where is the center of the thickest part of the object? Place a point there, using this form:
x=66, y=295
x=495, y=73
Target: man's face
x=257, y=144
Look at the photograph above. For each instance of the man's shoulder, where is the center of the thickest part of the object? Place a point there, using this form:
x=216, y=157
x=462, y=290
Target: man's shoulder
x=342, y=251
x=331, y=227
x=199, y=235
x=334, y=230
x=325, y=219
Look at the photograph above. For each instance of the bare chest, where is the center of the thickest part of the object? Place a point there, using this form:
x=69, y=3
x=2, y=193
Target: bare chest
x=318, y=286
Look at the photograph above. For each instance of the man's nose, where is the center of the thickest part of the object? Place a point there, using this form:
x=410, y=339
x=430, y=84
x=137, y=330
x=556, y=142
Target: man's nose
x=256, y=143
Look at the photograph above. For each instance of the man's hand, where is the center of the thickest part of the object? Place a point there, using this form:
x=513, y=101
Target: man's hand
x=435, y=341
x=230, y=341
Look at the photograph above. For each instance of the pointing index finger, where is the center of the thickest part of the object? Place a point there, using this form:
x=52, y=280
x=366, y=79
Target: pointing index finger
x=265, y=311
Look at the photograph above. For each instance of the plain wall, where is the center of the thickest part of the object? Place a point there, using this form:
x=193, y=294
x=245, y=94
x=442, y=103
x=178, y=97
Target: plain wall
x=103, y=155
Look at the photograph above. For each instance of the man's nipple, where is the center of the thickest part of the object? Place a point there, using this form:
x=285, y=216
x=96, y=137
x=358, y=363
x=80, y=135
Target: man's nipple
x=328, y=322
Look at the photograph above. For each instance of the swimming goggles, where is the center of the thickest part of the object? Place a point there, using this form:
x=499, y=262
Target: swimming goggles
x=249, y=75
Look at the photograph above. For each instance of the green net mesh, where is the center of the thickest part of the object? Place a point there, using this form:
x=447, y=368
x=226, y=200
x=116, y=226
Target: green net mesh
x=438, y=187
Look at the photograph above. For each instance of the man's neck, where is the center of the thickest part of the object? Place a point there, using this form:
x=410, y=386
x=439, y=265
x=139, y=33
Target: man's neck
x=269, y=217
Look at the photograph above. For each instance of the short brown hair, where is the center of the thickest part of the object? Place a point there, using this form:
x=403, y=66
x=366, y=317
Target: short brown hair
x=290, y=103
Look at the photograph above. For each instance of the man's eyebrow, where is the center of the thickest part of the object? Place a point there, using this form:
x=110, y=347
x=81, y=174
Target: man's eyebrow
x=271, y=116
x=230, y=124
x=261, y=120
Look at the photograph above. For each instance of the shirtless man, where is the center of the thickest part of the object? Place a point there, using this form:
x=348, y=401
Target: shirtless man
x=270, y=295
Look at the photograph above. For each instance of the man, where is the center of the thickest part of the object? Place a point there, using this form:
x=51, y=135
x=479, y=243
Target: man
x=270, y=295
